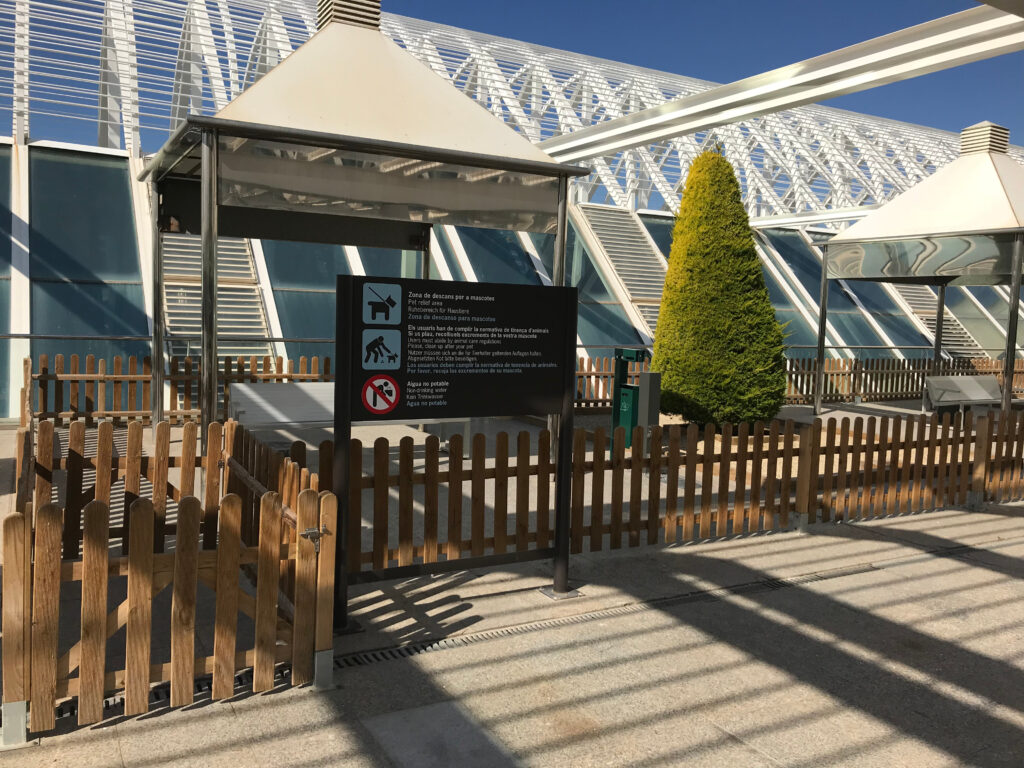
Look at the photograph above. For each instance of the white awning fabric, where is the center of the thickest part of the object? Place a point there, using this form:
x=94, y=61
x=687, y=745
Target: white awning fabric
x=356, y=82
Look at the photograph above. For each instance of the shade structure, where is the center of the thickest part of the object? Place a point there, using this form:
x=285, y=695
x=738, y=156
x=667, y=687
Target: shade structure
x=964, y=225
x=349, y=140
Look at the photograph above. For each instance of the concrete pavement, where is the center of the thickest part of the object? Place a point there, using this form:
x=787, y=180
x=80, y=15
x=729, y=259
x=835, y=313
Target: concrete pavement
x=897, y=642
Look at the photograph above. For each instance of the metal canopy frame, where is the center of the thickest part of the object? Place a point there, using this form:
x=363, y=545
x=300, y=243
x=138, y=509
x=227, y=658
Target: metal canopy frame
x=941, y=281
x=192, y=154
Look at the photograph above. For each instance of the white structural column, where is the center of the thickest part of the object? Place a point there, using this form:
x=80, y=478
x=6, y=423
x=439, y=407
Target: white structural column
x=20, y=104
x=267, y=292
x=21, y=288
x=972, y=35
x=119, y=87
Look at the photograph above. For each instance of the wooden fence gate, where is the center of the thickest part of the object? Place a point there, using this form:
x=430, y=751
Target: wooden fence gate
x=286, y=614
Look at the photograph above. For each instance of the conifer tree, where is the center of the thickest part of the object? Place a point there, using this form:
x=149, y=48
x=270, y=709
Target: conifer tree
x=718, y=345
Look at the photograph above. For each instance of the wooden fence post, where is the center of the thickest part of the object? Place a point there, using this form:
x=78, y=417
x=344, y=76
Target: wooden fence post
x=807, y=475
x=976, y=496
x=323, y=649
x=16, y=627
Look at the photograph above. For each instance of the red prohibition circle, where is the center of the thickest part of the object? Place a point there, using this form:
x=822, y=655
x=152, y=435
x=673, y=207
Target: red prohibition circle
x=375, y=399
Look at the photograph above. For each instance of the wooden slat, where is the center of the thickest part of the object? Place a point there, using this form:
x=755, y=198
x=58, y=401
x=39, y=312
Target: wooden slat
x=919, y=463
x=721, y=515
x=380, y=503
x=851, y=509
x=771, y=482
x=707, y=480
x=579, y=459
x=523, y=505
x=304, y=640
x=544, y=470
x=889, y=503
x=871, y=426
x=431, y=460
x=690, y=488
x=966, y=448
x=786, y=478
x=597, y=491
x=211, y=489
x=104, y=456
x=739, y=497
x=829, y=472
x=654, y=486
x=140, y=609
x=45, y=606
x=228, y=544
x=324, y=634
x=941, y=470
x=933, y=451
x=455, y=453
x=500, y=492
x=477, y=497
x=618, y=472
x=17, y=617
x=91, y=669
x=44, y=464
x=266, y=592
x=754, y=518
x=672, y=462
x=842, y=472
x=187, y=483
x=58, y=389
x=880, y=457
x=73, y=492
x=636, y=479
x=132, y=478
x=904, y=496
x=183, y=610
x=90, y=394
x=405, y=515
x=158, y=477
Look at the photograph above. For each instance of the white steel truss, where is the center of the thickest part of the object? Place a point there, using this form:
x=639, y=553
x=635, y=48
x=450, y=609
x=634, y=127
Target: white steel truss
x=134, y=68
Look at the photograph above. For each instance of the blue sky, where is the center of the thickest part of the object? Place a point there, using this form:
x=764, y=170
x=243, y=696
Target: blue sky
x=730, y=39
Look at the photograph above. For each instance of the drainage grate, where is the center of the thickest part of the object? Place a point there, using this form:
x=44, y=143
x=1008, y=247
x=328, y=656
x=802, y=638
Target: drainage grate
x=364, y=658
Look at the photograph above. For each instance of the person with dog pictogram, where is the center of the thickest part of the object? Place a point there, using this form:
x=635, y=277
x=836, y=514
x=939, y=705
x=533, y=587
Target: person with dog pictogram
x=377, y=348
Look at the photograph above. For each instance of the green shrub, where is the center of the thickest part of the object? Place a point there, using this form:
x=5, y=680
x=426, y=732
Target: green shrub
x=718, y=345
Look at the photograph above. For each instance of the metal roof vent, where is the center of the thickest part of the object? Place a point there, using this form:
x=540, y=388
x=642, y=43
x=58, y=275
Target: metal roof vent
x=984, y=137
x=361, y=13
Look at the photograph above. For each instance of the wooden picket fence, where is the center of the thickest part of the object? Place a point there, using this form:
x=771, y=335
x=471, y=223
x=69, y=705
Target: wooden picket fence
x=216, y=542
x=122, y=391
x=882, y=379
x=595, y=382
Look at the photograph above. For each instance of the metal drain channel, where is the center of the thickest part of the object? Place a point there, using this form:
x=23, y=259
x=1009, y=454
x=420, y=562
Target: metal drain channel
x=394, y=653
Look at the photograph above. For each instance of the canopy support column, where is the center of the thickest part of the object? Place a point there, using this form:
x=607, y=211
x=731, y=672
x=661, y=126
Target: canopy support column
x=563, y=423
x=1010, y=356
x=208, y=366
x=157, y=353
x=819, y=368
x=940, y=316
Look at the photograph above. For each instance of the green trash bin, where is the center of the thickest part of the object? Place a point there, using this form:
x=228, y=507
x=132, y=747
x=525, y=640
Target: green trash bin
x=626, y=397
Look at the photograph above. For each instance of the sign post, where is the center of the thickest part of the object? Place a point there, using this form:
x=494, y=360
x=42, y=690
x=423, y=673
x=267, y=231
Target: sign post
x=416, y=351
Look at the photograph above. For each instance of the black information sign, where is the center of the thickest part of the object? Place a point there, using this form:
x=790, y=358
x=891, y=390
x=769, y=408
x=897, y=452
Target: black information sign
x=435, y=349
x=421, y=350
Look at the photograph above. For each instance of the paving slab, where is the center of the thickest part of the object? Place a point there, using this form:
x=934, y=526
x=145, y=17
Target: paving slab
x=850, y=645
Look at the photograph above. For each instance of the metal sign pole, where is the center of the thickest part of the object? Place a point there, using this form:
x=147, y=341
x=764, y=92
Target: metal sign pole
x=342, y=446
x=208, y=366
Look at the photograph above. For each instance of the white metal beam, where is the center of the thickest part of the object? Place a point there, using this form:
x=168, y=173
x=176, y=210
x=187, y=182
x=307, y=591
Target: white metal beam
x=972, y=35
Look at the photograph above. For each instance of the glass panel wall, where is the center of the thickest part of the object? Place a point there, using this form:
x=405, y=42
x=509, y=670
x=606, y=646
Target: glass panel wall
x=660, y=229
x=602, y=323
x=303, y=276
x=497, y=256
x=5, y=275
x=843, y=313
x=84, y=260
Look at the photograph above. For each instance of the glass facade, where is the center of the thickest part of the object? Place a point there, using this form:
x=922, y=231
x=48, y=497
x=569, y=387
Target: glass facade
x=303, y=276
x=5, y=276
x=83, y=256
x=497, y=256
x=660, y=229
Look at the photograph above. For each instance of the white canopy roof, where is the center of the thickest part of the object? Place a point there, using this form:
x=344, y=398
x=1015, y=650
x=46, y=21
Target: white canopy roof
x=981, y=192
x=356, y=82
